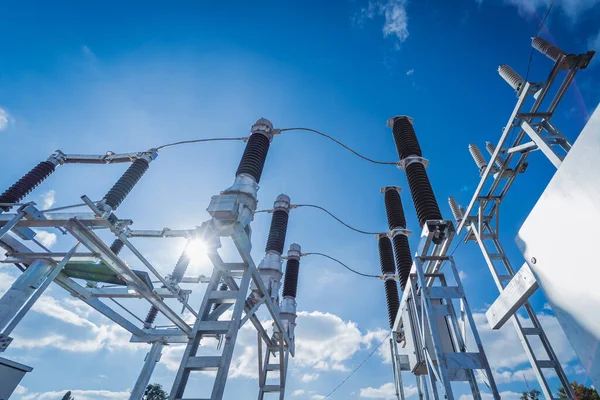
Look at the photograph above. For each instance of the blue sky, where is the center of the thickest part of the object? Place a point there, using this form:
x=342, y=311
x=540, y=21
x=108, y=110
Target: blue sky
x=108, y=76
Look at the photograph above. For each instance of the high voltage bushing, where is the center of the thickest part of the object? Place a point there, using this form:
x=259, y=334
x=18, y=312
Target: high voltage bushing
x=397, y=225
x=279, y=221
x=457, y=211
x=393, y=207
x=410, y=155
x=511, y=77
x=292, y=269
x=29, y=181
x=115, y=196
x=287, y=308
x=117, y=246
x=477, y=156
x=176, y=276
x=255, y=153
x=245, y=186
x=547, y=49
x=270, y=266
x=489, y=146
x=386, y=259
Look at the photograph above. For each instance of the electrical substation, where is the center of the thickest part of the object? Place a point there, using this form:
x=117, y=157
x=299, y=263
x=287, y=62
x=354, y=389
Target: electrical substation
x=433, y=333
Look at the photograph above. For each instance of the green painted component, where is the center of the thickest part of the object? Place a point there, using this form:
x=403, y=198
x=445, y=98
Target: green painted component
x=100, y=272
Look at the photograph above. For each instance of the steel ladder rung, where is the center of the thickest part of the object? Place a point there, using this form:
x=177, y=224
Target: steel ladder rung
x=203, y=363
x=496, y=256
x=271, y=388
x=273, y=367
x=546, y=364
x=214, y=327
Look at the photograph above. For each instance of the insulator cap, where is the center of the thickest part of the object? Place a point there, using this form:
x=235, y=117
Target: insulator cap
x=282, y=203
x=489, y=146
x=394, y=209
x=27, y=183
x=511, y=76
x=254, y=157
x=277, y=232
x=456, y=211
x=290, y=282
x=547, y=49
x=126, y=182
x=422, y=194
x=405, y=137
x=117, y=246
x=477, y=156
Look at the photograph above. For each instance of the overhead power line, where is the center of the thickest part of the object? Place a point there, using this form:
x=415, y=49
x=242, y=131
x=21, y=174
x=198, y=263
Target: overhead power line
x=357, y=368
x=330, y=214
x=198, y=141
x=342, y=264
x=536, y=34
x=341, y=144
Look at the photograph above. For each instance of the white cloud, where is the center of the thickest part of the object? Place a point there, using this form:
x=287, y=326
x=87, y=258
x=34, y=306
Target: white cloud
x=4, y=119
x=325, y=341
x=79, y=395
x=48, y=239
x=53, y=308
x=394, y=12
x=594, y=42
x=309, y=377
x=462, y=275
x=317, y=397
x=574, y=9
x=387, y=391
x=410, y=72
x=48, y=199
x=20, y=389
x=298, y=392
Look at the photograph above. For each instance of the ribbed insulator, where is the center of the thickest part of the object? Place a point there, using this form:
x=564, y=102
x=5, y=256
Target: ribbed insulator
x=392, y=300
x=151, y=316
x=510, y=76
x=422, y=193
x=255, y=154
x=405, y=138
x=477, y=156
x=290, y=282
x=403, y=258
x=547, y=49
x=117, y=246
x=222, y=288
x=277, y=232
x=386, y=259
x=394, y=210
x=386, y=256
x=456, y=211
x=490, y=149
x=181, y=266
x=27, y=183
x=126, y=182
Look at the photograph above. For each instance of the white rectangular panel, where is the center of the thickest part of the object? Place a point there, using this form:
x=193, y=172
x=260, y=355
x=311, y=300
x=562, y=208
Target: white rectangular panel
x=561, y=243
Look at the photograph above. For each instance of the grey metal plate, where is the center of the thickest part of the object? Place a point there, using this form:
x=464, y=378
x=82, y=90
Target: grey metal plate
x=560, y=242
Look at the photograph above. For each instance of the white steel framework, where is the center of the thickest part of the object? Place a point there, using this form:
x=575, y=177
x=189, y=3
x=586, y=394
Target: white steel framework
x=532, y=130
